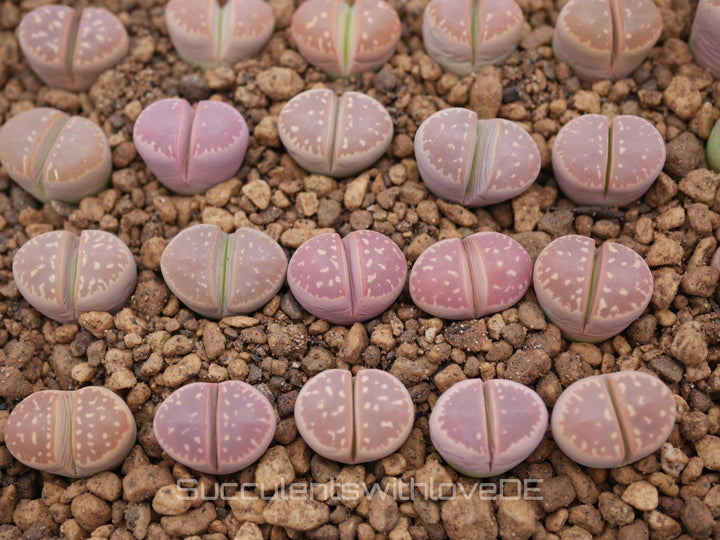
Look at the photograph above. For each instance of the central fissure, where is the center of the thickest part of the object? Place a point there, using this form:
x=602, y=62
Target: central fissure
x=73, y=35
x=473, y=288
x=223, y=264
x=616, y=32
x=353, y=444
x=53, y=135
x=592, y=291
x=486, y=406
x=616, y=404
x=214, y=428
x=345, y=33
x=609, y=158
x=474, y=26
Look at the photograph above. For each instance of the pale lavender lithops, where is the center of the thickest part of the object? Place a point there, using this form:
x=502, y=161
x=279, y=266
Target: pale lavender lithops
x=215, y=428
x=55, y=157
x=606, y=39
x=475, y=162
x=483, y=273
x=613, y=419
x=487, y=428
x=63, y=275
x=715, y=261
x=336, y=136
x=354, y=419
x=591, y=293
x=190, y=150
x=73, y=434
x=211, y=32
x=68, y=47
x=611, y=162
x=346, y=37
x=218, y=274
x=464, y=35
x=347, y=280
x=705, y=37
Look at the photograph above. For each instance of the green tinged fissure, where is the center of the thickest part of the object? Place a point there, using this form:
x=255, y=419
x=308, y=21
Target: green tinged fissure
x=73, y=32
x=474, y=25
x=224, y=263
x=591, y=294
x=345, y=30
x=609, y=158
x=72, y=278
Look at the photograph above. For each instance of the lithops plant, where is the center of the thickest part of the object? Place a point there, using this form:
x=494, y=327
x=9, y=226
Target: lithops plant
x=606, y=39
x=218, y=274
x=713, y=148
x=73, y=434
x=487, y=428
x=611, y=162
x=189, y=150
x=335, y=136
x=70, y=48
x=715, y=261
x=464, y=35
x=63, y=275
x=613, y=419
x=206, y=33
x=705, y=38
x=354, y=419
x=345, y=37
x=55, y=157
x=483, y=273
x=215, y=428
x=347, y=280
x=475, y=162
x=591, y=293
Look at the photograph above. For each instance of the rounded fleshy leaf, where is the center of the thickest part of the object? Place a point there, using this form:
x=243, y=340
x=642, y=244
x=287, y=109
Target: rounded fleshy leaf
x=704, y=37
x=713, y=148
x=73, y=434
x=484, y=273
x=475, y=162
x=62, y=275
x=591, y=294
x=55, y=157
x=613, y=419
x=354, y=420
x=715, y=261
x=487, y=428
x=606, y=39
x=218, y=275
x=344, y=39
x=464, y=35
x=347, y=280
x=207, y=34
x=607, y=162
x=336, y=136
x=69, y=48
x=215, y=428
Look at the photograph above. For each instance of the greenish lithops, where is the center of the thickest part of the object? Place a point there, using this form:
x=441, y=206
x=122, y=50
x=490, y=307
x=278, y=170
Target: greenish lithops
x=713, y=148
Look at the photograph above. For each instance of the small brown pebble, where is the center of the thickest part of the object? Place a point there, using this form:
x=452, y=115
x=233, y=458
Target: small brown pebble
x=532, y=316
x=90, y=511
x=299, y=514
x=682, y=97
x=700, y=281
x=684, y=153
x=279, y=83
x=700, y=185
x=13, y=384
x=689, y=345
x=708, y=448
x=171, y=500
x=106, y=485
x=662, y=525
x=614, y=510
x=516, y=518
x=664, y=252
x=274, y=469
x=486, y=92
x=356, y=342
x=141, y=482
x=642, y=495
x=383, y=513
x=556, y=492
x=526, y=366
x=194, y=522
x=697, y=518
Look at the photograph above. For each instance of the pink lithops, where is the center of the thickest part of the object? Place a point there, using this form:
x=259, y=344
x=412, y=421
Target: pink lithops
x=215, y=428
x=70, y=48
x=705, y=38
x=346, y=38
x=347, y=280
x=55, y=157
x=63, y=275
x=190, y=150
x=613, y=419
x=606, y=39
x=218, y=274
x=715, y=261
x=483, y=273
x=475, y=162
x=464, y=35
x=591, y=293
x=73, y=434
x=354, y=419
x=487, y=428
x=604, y=161
x=336, y=136
x=207, y=33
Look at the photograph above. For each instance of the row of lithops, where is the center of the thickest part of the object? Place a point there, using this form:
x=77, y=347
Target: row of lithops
x=705, y=37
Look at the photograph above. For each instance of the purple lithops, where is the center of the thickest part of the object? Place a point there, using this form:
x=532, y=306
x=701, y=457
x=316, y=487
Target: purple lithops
x=217, y=275
x=68, y=47
x=613, y=419
x=483, y=273
x=73, y=434
x=346, y=38
x=63, y=275
x=347, y=280
x=475, y=162
x=354, y=419
x=215, y=428
x=190, y=150
x=55, y=157
x=206, y=33
x=336, y=136
x=487, y=428
x=705, y=37
x=591, y=293
x=604, y=161
x=606, y=39
x=464, y=35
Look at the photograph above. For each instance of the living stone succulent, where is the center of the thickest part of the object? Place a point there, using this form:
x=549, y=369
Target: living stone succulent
x=705, y=37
